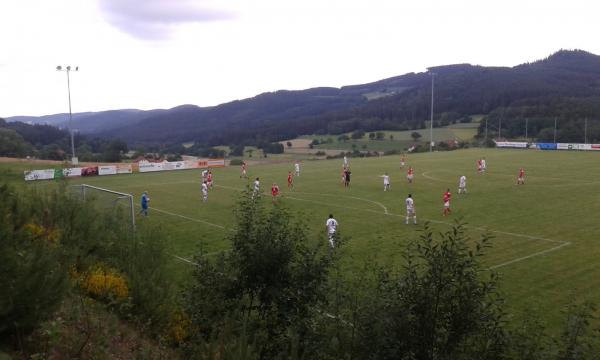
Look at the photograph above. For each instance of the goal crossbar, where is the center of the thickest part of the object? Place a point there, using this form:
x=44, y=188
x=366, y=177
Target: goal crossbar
x=121, y=195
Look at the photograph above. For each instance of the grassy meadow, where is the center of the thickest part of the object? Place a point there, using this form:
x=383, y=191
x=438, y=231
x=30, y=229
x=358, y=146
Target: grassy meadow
x=546, y=232
x=399, y=140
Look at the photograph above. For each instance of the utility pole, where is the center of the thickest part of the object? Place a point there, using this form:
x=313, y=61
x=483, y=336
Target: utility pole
x=486, y=129
x=526, y=123
x=555, y=130
x=431, y=119
x=500, y=124
x=585, y=132
x=68, y=69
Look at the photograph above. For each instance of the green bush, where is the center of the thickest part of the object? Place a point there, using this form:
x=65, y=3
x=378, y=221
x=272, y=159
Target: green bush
x=150, y=280
x=47, y=236
x=34, y=276
x=235, y=162
x=272, y=280
x=441, y=306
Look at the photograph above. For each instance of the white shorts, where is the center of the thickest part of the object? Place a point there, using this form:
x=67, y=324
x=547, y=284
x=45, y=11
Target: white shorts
x=410, y=212
x=447, y=204
x=409, y=177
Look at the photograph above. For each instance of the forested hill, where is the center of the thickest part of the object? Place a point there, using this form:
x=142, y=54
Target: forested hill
x=566, y=85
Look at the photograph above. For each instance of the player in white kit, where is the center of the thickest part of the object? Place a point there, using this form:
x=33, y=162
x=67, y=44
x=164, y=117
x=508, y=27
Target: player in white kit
x=331, y=225
x=297, y=167
x=204, y=191
x=410, y=209
x=462, y=185
x=256, y=187
x=386, y=182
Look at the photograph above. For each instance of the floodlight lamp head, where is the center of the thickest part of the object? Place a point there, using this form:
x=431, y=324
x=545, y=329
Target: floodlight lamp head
x=68, y=68
x=59, y=68
x=76, y=68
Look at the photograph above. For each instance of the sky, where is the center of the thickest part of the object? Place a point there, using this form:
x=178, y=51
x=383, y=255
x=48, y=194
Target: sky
x=149, y=54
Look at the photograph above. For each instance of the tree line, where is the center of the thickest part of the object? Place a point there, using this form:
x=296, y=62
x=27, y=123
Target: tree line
x=47, y=142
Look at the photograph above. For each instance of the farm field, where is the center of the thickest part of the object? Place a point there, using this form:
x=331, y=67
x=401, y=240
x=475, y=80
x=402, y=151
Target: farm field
x=546, y=244
x=400, y=140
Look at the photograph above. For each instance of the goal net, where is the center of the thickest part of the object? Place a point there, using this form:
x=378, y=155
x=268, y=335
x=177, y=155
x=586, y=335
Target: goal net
x=107, y=200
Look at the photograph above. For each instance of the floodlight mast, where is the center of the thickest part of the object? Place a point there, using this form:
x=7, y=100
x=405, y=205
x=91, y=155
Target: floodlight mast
x=431, y=120
x=68, y=69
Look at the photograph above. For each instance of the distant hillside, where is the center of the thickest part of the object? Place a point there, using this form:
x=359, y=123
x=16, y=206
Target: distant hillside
x=90, y=122
x=565, y=85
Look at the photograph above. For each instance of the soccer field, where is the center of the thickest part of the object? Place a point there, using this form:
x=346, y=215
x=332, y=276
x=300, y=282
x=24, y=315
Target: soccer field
x=546, y=232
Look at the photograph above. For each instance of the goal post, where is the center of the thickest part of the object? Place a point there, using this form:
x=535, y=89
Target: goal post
x=106, y=199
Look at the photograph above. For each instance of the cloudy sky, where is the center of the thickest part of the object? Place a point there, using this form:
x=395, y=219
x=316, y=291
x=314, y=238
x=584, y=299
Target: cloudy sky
x=162, y=53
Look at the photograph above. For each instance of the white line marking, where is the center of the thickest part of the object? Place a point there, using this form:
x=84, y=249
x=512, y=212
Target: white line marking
x=492, y=231
x=530, y=256
x=560, y=242
x=431, y=177
x=185, y=260
x=229, y=187
x=199, y=221
x=189, y=218
x=328, y=204
x=385, y=210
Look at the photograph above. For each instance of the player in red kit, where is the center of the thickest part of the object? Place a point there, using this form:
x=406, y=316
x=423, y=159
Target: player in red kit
x=209, y=179
x=447, y=197
x=479, y=166
x=243, y=174
x=521, y=178
x=410, y=174
x=275, y=192
x=290, y=180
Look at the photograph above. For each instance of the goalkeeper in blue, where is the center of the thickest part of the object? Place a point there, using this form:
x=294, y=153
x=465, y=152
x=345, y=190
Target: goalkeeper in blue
x=145, y=201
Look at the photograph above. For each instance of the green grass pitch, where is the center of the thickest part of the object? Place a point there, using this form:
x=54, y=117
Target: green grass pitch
x=547, y=233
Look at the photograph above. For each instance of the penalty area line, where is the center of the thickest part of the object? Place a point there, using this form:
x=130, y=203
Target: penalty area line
x=184, y=260
x=530, y=256
x=188, y=261
x=189, y=218
x=560, y=243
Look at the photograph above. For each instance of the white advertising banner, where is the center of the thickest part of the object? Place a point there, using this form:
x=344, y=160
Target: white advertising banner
x=124, y=169
x=146, y=166
x=71, y=172
x=569, y=146
x=511, y=144
x=107, y=170
x=173, y=165
x=47, y=174
x=216, y=162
